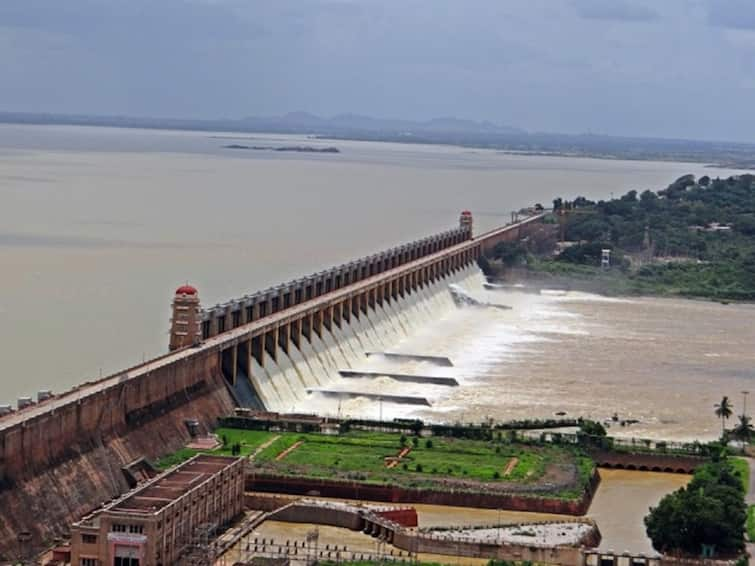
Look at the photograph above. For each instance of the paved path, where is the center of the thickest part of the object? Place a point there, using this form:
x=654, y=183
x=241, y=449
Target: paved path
x=750, y=500
x=262, y=446
x=750, y=497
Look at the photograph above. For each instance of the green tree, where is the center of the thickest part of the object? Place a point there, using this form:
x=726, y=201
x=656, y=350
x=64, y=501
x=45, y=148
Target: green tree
x=724, y=411
x=743, y=430
x=710, y=511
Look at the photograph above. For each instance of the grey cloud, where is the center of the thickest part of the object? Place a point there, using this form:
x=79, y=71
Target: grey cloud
x=614, y=10
x=735, y=14
x=547, y=65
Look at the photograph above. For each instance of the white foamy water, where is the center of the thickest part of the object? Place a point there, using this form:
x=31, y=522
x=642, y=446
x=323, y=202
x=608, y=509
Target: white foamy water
x=575, y=353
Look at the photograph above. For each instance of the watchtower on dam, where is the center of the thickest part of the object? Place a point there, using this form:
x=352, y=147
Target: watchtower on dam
x=72, y=446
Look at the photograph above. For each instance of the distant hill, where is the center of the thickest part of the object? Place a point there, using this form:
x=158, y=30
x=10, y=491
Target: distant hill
x=448, y=130
x=342, y=123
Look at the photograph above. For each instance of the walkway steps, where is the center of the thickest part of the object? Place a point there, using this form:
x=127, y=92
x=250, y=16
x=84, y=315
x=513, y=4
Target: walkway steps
x=435, y=380
x=435, y=360
x=398, y=399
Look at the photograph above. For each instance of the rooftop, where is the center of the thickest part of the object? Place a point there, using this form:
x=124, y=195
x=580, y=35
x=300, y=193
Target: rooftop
x=171, y=486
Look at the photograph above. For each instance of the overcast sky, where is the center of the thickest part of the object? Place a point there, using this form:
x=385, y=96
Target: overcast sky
x=670, y=68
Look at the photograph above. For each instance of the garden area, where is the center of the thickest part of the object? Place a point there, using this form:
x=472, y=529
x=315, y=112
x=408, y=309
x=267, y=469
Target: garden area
x=407, y=460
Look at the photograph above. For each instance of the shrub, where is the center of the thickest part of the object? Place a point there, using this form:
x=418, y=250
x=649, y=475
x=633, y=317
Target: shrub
x=419, y=467
x=428, y=444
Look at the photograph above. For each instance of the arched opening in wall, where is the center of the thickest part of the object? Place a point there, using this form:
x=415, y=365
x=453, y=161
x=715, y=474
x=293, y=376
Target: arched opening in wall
x=643, y=468
x=681, y=471
x=631, y=467
x=227, y=364
x=668, y=470
x=257, y=349
x=270, y=345
x=655, y=469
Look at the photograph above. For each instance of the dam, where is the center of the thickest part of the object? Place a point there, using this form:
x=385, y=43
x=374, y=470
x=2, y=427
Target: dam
x=64, y=455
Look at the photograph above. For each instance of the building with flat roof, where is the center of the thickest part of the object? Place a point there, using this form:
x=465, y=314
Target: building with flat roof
x=155, y=523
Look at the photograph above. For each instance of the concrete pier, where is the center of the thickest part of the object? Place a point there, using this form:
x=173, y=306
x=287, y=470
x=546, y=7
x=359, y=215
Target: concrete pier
x=442, y=361
x=398, y=399
x=431, y=379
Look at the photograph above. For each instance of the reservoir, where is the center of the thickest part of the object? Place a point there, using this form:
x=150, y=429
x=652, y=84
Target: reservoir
x=99, y=225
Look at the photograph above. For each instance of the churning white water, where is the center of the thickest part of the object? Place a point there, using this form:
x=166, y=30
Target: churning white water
x=305, y=378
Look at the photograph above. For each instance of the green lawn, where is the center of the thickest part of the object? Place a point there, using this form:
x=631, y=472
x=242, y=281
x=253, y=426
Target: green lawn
x=362, y=455
x=742, y=469
x=248, y=439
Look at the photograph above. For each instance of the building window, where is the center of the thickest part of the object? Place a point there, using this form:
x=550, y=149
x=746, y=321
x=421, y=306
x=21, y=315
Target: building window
x=89, y=539
x=118, y=528
x=139, y=529
x=124, y=561
x=88, y=562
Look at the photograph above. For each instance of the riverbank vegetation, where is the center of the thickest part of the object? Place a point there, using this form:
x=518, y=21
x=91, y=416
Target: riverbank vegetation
x=695, y=238
x=706, y=517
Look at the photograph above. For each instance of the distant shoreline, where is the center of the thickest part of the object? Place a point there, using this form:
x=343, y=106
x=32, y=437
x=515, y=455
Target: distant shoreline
x=732, y=155
x=293, y=148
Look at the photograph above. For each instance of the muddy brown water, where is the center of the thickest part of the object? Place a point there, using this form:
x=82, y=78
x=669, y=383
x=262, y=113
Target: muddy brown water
x=619, y=506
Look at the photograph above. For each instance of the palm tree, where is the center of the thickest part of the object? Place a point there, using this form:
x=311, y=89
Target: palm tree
x=744, y=430
x=723, y=412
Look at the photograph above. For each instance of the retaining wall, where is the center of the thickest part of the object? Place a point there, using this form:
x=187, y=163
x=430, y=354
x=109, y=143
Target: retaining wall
x=652, y=462
x=394, y=494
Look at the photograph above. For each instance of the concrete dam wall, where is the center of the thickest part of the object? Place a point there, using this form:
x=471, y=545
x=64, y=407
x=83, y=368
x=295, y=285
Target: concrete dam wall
x=300, y=366
x=62, y=457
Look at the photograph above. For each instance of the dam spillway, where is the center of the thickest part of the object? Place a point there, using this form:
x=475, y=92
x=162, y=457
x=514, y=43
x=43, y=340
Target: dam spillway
x=305, y=365
x=262, y=351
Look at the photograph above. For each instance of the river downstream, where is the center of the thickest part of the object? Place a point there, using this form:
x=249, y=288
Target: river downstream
x=619, y=506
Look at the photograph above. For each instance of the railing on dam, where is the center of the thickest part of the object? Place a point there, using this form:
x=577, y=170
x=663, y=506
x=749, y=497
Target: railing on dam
x=237, y=312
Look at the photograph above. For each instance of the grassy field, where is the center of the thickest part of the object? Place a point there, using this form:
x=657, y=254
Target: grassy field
x=366, y=453
x=743, y=470
x=249, y=441
x=364, y=456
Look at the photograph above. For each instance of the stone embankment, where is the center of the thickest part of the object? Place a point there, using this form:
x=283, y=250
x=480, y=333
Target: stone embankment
x=272, y=483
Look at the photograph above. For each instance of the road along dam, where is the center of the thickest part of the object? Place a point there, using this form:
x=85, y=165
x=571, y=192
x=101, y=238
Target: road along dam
x=65, y=455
